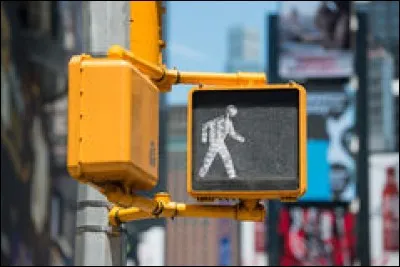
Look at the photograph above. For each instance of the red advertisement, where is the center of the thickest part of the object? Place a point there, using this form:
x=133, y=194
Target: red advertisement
x=384, y=209
x=390, y=212
x=323, y=236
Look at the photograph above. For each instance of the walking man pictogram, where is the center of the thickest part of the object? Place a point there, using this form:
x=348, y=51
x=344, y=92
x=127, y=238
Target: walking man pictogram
x=216, y=130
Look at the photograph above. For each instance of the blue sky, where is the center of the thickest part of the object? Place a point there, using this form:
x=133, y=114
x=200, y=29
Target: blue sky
x=197, y=35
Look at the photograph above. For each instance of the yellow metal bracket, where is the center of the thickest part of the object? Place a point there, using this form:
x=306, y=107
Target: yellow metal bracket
x=164, y=78
x=134, y=207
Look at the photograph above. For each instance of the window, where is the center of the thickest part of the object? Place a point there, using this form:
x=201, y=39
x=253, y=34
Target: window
x=35, y=16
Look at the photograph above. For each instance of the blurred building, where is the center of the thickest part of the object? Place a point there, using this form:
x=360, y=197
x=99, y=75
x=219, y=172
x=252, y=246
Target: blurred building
x=383, y=17
x=381, y=101
x=38, y=197
x=244, y=55
x=243, y=50
x=192, y=241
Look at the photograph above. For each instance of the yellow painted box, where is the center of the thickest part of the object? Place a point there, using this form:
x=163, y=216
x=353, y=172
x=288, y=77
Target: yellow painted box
x=112, y=123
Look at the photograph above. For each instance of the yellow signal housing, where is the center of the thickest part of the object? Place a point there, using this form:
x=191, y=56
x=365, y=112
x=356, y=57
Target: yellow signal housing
x=112, y=123
x=271, y=159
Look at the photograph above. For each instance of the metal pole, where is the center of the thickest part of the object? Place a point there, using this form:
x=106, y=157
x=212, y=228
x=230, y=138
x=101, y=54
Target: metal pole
x=271, y=222
x=361, y=64
x=104, y=23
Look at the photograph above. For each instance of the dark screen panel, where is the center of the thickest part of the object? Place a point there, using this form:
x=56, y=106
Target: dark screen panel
x=261, y=153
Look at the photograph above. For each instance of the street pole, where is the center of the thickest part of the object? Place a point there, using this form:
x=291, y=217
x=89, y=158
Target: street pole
x=105, y=23
x=271, y=222
x=363, y=217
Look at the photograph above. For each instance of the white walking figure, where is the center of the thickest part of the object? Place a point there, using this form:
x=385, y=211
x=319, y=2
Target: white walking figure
x=217, y=130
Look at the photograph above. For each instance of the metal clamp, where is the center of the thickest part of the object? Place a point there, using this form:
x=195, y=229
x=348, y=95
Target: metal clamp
x=94, y=229
x=101, y=229
x=93, y=204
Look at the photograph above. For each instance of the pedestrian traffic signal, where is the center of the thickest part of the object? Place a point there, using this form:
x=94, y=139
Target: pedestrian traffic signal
x=247, y=142
x=112, y=124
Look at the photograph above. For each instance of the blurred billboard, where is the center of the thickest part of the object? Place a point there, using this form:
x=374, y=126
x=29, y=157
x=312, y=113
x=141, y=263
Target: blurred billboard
x=315, y=39
x=316, y=235
x=384, y=208
x=331, y=142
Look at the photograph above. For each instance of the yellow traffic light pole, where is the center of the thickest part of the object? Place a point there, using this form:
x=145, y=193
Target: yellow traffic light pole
x=145, y=53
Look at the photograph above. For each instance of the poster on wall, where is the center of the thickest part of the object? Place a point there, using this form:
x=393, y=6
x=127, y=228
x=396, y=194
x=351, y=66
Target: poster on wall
x=331, y=142
x=384, y=209
x=315, y=39
x=316, y=235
